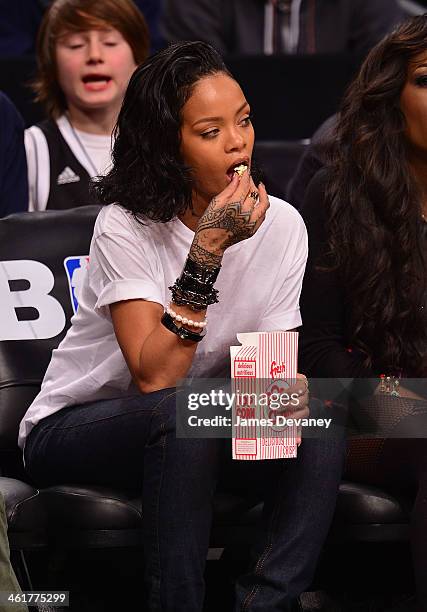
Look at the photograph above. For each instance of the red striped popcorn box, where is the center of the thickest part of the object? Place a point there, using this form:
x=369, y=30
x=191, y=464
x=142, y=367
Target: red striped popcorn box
x=262, y=369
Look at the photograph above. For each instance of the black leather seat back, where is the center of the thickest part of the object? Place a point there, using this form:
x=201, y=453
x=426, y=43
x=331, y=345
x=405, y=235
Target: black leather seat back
x=278, y=161
x=291, y=95
x=39, y=253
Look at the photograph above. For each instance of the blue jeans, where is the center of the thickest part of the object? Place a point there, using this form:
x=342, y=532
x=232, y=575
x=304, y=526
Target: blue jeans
x=131, y=443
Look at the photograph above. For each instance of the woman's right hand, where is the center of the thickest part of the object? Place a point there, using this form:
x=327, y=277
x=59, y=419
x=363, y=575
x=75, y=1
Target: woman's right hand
x=232, y=216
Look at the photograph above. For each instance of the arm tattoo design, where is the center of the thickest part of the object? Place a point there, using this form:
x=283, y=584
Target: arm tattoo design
x=232, y=219
x=203, y=257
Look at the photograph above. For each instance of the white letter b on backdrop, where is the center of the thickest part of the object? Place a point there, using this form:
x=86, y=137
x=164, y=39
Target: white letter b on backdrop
x=51, y=317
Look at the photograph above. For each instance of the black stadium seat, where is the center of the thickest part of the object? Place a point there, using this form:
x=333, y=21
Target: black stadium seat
x=278, y=160
x=33, y=248
x=291, y=95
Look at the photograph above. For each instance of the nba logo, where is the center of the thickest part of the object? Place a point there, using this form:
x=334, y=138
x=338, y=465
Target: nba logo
x=75, y=268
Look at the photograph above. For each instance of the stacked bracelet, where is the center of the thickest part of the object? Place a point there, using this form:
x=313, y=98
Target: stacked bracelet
x=195, y=286
x=199, y=273
x=180, y=319
x=181, y=332
x=196, y=301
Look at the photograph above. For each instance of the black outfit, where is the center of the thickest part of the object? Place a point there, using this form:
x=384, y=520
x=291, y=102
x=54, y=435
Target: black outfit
x=237, y=26
x=314, y=158
x=13, y=162
x=325, y=339
x=399, y=464
x=64, y=192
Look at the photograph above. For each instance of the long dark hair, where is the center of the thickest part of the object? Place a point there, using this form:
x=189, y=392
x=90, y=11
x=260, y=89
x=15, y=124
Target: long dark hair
x=375, y=226
x=149, y=177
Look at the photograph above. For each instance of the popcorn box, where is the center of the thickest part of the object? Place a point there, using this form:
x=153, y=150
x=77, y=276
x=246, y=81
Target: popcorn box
x=262, y=369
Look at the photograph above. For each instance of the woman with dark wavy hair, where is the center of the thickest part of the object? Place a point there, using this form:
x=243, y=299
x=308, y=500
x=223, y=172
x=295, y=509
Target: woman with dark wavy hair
x=189, y=231
x=365, y=290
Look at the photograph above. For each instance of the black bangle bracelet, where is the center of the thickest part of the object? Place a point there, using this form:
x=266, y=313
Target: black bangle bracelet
x=182, y=332
x=204, y=275
x=189, y=297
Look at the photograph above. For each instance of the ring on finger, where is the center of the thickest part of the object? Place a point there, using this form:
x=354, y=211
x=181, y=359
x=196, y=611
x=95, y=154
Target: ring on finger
x=254, y=195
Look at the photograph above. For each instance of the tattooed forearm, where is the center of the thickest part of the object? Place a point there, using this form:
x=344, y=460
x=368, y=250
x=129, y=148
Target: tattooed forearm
x=203, y=257
x=218, y=229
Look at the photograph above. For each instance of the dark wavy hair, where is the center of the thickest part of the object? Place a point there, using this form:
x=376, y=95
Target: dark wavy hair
x=148, y=176
x=377, y=238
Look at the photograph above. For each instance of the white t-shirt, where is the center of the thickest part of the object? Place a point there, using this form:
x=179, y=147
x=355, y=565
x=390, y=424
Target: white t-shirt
x=96, y=161
x=259, y=287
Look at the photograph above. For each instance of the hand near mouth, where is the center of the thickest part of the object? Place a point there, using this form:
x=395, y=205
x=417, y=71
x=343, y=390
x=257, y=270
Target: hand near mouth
x=232, y=216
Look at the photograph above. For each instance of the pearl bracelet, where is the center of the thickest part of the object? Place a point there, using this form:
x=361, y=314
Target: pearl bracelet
x=184, y=320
